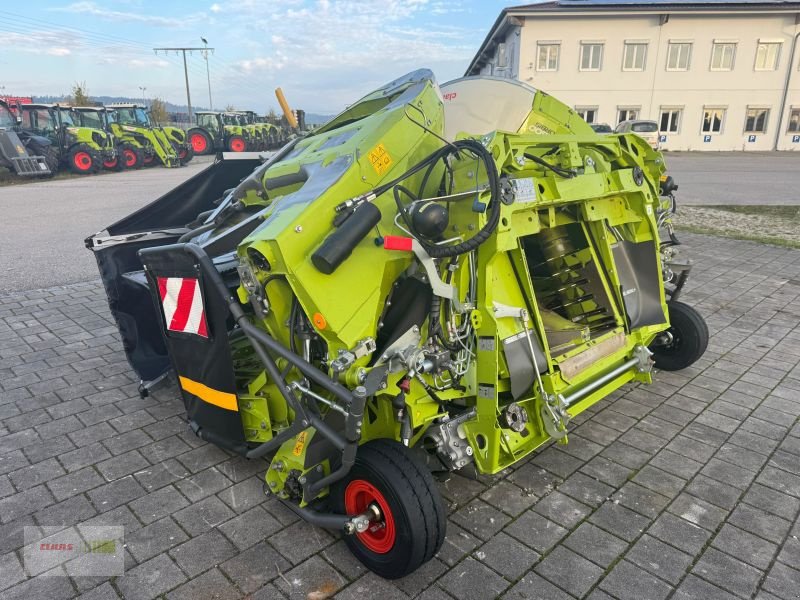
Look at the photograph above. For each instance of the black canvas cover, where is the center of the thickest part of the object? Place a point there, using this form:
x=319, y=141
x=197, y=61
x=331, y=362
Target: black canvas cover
x=195, y=326
x=156, y=224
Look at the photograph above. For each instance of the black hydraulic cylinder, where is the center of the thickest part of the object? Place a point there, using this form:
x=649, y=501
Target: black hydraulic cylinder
x=339, y=245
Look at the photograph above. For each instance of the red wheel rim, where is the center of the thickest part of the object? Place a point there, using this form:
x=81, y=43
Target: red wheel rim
x=237, y=145
x=130, y=157
x=381, y=535
x=199, y=142
x=149, y=159
x=182, y=154
x=82, y=161
x=110, y=164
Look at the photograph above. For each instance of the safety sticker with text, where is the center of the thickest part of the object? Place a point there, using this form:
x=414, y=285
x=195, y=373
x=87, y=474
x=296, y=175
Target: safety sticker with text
x=379, y=159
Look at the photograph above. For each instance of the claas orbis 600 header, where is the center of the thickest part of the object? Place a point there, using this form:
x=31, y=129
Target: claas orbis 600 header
x=439, y=278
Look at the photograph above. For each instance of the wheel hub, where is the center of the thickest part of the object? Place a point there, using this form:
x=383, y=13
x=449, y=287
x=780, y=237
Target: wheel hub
x=373, y=522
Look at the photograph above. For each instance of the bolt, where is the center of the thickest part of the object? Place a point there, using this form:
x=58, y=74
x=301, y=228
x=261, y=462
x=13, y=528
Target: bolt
x=273, y=484
x=521, y=161
x=298, y=229
x=302, y=480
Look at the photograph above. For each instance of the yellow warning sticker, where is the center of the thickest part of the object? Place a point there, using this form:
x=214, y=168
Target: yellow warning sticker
x=379, y=159
x=300, y=444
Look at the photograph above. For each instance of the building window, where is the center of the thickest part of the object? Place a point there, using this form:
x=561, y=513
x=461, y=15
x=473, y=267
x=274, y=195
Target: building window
x=587, y=113
x=713, y=118
x=722, y=54
x=756, y=120
x=679, y=55
x=634, y=56
x=767, y=54
x=626, y=114
x=670, y=120
x=547, y=57
x=591, y=56
x=794, y=120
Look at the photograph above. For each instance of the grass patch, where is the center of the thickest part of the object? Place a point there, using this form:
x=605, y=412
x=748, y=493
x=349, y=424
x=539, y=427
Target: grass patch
x=770, y=224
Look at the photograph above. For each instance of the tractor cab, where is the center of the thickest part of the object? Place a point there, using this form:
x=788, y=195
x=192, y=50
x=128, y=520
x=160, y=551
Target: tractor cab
x=84, y=149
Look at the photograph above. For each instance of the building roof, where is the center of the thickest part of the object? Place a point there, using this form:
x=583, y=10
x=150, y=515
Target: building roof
x=509, y=16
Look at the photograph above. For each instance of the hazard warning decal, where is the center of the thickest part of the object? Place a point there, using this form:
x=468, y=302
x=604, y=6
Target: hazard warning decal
x=379, y=159
x=183, y=305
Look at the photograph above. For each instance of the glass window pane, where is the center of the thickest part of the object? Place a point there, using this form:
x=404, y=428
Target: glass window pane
x=794, y=120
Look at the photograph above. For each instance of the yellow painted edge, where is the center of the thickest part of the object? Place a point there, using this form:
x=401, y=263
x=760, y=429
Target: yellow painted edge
x=210, y=395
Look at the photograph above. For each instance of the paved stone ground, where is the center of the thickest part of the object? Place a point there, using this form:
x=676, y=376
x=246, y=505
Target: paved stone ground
x=689, y=488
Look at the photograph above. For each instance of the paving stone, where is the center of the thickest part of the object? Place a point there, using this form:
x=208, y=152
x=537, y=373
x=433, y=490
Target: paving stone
x=161, y=474
x=52, y=587
x=425, y=577
x=150, y=579
x=606, y=471
x=158, y=504
x=66, y=513
x=36, y=474
x=111, y=495
x=202, y=552
x=158, y=537
x=470, y=580
x=203, y=484
x=660, y=559
x=562, y=509
x=122, y=465
x=534, y=587
x=727, y=572
x=585, y=489
x=641, y=499
x=507, y=556
x=535, y=531
x=457, y=544
x=509, y=498
x=659, y=481
x=127, y=441
x=204, y=515
x=55, y=447
x=101, y=592
x=461, y=490
x=760, y=523
x=728, y=473
x=244, y=495
x=286, y=541
x=83, y=457
x=250, y=527
x=163, y=449
x=569, y=571
x=698, y=511
x=211, y=584
x=713, y=491
x=252, y=569
x=694, y=588
x=343, y=560
x=202, y=458
x=75, y=483
x=24, y=503
x=620, y=521
x=628, y=582
x=745, y=546
x=557, y=462
x=534, y=480
x=368, y=585
x=11, y=570
x=780, y=480
x=595, y=544
x=480, y=519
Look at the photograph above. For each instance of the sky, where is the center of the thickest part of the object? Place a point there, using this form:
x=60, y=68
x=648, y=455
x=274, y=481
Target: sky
x=324, y=54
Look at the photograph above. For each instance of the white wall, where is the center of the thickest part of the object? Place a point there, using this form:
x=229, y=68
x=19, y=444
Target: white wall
x=656, y=87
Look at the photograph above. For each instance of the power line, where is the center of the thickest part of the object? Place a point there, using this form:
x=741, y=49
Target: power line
x=184, y=50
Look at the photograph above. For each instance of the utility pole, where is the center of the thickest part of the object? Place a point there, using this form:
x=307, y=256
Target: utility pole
x=143, y=98
x=185, y=70
x=208, y=72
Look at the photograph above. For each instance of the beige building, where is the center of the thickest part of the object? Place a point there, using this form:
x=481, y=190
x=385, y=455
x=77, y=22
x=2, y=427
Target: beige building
x=713, y=75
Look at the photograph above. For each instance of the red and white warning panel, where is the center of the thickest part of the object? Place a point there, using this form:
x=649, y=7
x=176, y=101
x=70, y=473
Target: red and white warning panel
x=183, y=305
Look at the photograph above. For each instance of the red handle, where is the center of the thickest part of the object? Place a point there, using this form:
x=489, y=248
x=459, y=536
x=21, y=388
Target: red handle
x=396, y=242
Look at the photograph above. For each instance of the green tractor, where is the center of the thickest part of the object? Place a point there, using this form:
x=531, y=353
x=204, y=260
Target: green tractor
x=438, y=279
x=258, y=132
x=131, y=123
x=23, y=152
x=83, y=149
x=97, y=117
x=217, y=132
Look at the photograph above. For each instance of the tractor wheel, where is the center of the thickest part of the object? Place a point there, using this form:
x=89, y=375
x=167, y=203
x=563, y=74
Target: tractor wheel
x=82, y=160
x=411, y=526
x=201, y=143
x=237, y=144
x=132, y=157
x=185, y=154
x=689, y=339
x=51, y=158
x=149, y=161
x=115, y=164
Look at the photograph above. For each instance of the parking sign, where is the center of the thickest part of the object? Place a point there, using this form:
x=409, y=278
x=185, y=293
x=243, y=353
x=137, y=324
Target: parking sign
x=751, y=138
x=796, y=139
x=706, y=138
x=662, y=138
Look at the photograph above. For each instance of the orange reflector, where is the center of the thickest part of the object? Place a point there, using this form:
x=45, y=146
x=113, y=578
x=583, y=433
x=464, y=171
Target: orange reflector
x=210, y=395
x=319, y=321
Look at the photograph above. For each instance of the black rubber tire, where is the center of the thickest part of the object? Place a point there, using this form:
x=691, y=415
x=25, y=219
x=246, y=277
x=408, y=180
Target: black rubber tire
x=187, y=157
x=52, y=158
x=124, y=149
x=416, y=506
x=689, y=339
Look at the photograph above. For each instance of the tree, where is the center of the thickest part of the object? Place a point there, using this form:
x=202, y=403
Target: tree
x=230, y=108
x=158, y=111
x=80, y=95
